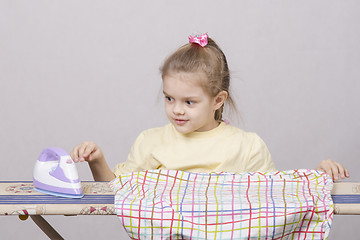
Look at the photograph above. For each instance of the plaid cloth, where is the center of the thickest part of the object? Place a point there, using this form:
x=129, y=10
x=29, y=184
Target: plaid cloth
x=169, y=204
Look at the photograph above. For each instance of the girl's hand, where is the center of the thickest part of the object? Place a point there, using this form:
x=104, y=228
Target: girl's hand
x=86, y=151
x=90, y=152
x=334, y=169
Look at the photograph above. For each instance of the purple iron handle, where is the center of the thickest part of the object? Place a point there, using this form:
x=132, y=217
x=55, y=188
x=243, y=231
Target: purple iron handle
x=52, y=154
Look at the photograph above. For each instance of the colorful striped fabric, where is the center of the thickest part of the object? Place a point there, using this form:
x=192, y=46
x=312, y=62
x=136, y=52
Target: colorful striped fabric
x=169, y=204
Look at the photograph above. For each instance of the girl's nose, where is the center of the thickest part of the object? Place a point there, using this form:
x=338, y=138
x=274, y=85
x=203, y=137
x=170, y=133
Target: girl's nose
x=178, y=109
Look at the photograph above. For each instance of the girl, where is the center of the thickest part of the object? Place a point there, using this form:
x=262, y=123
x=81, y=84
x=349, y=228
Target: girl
x=196, y=84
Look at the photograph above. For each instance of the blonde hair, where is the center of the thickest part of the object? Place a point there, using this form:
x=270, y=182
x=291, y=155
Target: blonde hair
x=211, y=60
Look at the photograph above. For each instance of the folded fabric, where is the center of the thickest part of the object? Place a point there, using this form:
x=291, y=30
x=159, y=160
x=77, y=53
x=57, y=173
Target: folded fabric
x=170, y=204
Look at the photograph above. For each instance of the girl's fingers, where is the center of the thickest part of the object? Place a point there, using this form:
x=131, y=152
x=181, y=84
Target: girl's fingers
x=330, y=170
x=335, y=173
x=338, y=171
x=84, y=152
x=75, y=154
x=344, y=173
x=334, y=169
x=341, y=170
x=88, y=149
x=81, y=150
x=347, y=173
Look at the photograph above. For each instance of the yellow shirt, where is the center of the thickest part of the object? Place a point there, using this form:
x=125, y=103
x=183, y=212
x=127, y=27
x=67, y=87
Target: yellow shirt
x=222, y=149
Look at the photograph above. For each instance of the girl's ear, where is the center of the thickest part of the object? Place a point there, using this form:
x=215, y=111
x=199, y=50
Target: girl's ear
x=220, y=99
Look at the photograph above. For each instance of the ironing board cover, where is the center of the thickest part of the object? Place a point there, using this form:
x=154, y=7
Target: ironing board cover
x=169, y=204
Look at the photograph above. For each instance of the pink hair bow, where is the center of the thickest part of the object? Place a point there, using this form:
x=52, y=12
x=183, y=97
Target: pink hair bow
x=201, y=40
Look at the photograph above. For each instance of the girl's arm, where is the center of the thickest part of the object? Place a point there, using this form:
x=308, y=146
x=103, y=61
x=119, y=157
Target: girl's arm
x=334, y=169
x=90, y=152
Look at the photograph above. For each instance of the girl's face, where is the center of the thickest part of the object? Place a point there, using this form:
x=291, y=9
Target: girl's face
x=188, y=107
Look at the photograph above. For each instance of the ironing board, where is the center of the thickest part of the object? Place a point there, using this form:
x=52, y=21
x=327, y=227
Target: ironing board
x=19, y=198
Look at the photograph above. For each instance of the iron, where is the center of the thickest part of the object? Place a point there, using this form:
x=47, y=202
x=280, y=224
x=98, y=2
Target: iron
x=55, y=173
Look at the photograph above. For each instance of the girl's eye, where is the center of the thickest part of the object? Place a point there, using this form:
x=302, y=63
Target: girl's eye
x=169, y=99
x=190, y=102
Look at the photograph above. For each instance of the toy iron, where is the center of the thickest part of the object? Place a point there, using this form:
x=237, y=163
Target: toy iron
x=55, y=173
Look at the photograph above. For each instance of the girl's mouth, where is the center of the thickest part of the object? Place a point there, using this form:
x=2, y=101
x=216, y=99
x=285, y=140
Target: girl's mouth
x=180, y=121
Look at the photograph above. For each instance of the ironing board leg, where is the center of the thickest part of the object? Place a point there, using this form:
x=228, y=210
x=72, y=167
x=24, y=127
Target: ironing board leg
x=45, y=227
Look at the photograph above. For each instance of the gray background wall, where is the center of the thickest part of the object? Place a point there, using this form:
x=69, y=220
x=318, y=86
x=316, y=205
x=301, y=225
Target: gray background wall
x=88, y=70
